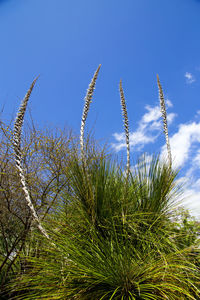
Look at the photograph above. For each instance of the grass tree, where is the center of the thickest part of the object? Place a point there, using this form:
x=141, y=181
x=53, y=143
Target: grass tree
x=112, y=234
x=99, y=254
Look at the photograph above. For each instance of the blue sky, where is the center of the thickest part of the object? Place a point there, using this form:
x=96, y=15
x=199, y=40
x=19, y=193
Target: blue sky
x=65, y=40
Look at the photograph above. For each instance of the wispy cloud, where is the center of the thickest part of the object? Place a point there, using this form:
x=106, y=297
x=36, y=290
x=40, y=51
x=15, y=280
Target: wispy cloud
x=148, y=129
x=189, y=78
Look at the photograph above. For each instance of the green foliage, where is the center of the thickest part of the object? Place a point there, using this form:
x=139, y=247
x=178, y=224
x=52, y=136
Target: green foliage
x=113, y=239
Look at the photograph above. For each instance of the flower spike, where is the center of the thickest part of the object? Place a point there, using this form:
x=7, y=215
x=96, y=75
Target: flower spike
x=126, y=126
x=164, y=117
x=18, y=155
x=88, y=100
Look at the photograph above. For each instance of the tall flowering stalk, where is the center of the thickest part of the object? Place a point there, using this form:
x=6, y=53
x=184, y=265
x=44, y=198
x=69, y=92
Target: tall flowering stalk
x=164, y=117
x=126, y=126
x=18, y=156
x=88, y=100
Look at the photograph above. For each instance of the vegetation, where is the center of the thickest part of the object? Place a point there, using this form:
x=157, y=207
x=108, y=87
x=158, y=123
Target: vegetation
x=77, y=225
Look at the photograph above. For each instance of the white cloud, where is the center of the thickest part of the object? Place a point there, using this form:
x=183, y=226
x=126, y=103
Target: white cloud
x=189, y=78
x=191, y=197
x=194, y=164
x=147, y=131
x=196, y=160
x=137, y=138
x=181, y=142
x=153, y=114
x=169, y=103
x=184, y=145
